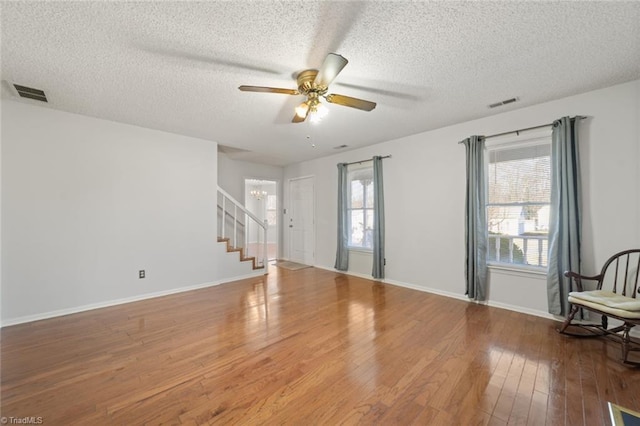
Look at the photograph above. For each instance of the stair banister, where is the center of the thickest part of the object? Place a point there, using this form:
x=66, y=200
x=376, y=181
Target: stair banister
x=238, y=206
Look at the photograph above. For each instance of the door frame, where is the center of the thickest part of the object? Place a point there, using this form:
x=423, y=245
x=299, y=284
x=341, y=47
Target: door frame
x=279, y=218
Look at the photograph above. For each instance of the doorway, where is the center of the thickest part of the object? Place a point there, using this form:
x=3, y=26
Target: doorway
x=301, y=220
x=261, y=199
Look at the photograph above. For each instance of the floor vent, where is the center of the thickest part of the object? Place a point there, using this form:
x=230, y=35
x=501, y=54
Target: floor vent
x=30, y=93
x=505, y=102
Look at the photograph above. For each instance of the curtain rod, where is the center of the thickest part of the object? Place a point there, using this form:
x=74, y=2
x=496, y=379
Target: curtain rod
x=364, y=161
x=524, y=130
x=542, y=126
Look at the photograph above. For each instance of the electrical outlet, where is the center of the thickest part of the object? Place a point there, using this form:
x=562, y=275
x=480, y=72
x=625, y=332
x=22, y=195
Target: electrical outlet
x=141, y=273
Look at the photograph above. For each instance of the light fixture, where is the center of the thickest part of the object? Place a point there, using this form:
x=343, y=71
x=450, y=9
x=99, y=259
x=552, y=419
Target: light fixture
x=258, y=194
x=301, y=110
x=312, y=108
x=318, y=112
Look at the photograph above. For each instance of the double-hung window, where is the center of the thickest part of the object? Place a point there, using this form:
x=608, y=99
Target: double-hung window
x=360, y=206
x=518, y=201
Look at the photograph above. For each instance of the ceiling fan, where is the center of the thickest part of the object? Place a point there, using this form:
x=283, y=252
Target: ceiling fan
x=314, y=84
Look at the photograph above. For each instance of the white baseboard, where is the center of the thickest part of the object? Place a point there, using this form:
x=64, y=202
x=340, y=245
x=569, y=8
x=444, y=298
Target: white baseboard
x=354, y=274
x=92, y=306
x=439, y=292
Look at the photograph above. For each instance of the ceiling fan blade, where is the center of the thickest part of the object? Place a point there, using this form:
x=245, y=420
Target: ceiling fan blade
x=350, y=102
x=268, y=90
x=330, y=68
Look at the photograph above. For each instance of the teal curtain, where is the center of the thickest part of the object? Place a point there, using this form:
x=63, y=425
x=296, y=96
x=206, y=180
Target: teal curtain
x=378, y=219
x=475, y=220
x=342, y=252
x=565, y=215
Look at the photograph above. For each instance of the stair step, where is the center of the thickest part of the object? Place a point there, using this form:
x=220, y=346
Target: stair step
x=253, y=262
x=240, y=250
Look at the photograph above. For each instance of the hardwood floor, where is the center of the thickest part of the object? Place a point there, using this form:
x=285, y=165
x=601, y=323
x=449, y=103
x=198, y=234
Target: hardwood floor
x=309, y=347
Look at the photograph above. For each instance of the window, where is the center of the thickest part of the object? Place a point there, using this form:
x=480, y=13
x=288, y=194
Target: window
x=271, y=207
x=360, y=208
x=518, y=202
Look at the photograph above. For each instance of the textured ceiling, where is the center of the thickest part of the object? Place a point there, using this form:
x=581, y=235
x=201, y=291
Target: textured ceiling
x=176, y=66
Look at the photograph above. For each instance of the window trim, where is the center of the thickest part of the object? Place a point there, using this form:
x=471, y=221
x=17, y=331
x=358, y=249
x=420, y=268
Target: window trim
x=517, y=270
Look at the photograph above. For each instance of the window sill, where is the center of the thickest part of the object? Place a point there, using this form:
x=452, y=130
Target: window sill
x=360, y=250
x=523, y=271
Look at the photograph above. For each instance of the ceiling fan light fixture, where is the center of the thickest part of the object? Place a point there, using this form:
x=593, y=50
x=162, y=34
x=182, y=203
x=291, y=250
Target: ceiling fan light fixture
x=302, y=109
x=317, y=111
x=321, y=110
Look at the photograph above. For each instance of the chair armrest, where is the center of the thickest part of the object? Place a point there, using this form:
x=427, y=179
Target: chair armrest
x=578, y=278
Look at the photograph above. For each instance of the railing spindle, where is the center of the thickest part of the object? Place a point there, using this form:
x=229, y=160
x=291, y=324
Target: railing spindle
x=224, y=216
x=540, y=244
x=265, y=257
x=235, y=226
x=511, y=249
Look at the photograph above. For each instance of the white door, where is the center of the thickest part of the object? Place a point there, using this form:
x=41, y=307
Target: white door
x=301, y=220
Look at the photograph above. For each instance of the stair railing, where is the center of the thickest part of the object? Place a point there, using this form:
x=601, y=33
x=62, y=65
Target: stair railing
x=239, y=230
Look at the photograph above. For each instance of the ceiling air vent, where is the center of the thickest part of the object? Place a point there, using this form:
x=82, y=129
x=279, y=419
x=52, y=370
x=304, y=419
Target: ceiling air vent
x=340, y=146
x=31, y=93
x=505, y=102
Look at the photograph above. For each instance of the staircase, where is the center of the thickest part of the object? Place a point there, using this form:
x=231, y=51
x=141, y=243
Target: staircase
x=242, y=232
x=240, y=250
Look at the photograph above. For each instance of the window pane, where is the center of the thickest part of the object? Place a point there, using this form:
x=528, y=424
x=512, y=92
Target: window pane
x=369, y=189
x=357, y=196
x=513, y=180
x=356, y=226
x=526, y=250
x=518, y=220
x=368, y=231
x=271, y=202
x=272, y=217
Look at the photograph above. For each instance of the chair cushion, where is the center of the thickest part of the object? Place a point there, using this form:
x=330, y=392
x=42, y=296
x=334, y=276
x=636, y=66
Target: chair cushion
x=607, y=302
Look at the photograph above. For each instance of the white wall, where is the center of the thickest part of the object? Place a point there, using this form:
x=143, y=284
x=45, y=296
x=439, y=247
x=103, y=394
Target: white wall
x=86, y=203
x=424, y=195
x=232, y=173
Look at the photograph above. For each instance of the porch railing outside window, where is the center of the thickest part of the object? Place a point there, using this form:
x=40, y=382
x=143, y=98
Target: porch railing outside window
x=520, y=250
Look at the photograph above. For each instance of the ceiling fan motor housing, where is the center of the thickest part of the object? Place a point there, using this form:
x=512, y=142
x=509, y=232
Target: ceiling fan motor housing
x=306, y=84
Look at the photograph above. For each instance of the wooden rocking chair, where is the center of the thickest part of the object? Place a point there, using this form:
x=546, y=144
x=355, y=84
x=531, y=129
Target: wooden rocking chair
x=614, y=297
